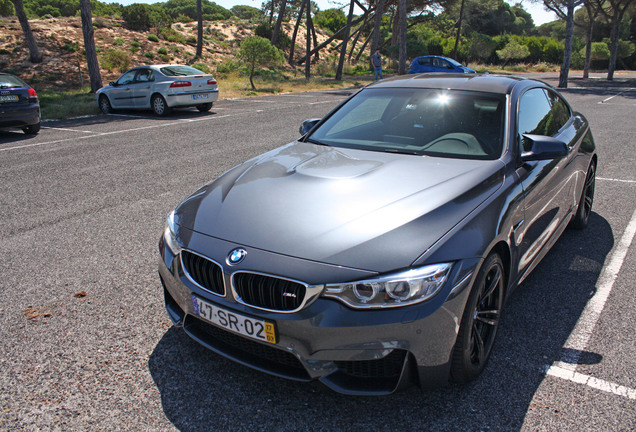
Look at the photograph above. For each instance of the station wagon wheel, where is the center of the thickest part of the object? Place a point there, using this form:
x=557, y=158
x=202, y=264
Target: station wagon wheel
x=104, y=105
x=480, y=322
x=159, y=105
x=584, y=209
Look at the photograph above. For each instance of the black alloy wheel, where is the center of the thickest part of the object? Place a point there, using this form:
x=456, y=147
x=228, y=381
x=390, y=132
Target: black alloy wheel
x=584, y=209
x=480, y=321
x=104, y=105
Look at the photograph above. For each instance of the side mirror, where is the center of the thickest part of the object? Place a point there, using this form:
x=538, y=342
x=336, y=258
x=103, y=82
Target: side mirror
x=112, y=83
x=543, y=148
x=308, y=125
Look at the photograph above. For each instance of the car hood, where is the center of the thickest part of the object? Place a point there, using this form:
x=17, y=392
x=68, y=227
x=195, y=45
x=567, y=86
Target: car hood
x=361, y=209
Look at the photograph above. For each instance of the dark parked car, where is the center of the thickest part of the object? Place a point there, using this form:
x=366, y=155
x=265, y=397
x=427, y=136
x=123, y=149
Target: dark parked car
x=437, y=64
x=19, y=105
x=377, y=250
x=159, y=88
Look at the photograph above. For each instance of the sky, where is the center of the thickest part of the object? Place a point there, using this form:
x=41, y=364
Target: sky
x=539, y=15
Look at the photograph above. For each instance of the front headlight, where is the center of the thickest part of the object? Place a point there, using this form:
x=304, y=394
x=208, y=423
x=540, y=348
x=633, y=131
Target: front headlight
x=169, y=234
x=398, y=289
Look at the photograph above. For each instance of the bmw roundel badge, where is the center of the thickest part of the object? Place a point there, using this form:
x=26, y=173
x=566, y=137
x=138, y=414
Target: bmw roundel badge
x=236, y=256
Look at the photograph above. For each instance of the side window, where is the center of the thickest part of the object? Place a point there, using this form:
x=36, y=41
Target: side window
x=535, y=116
x=560, y=111
x=425, y=61
x=127, y=78
x=144, y=75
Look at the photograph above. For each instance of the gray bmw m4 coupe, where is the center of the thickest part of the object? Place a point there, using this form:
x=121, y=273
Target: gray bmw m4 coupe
x=378, y=249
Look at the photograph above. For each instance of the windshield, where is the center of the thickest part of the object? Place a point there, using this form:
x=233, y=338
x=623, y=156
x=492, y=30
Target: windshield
x=180, y=71
x=433, y=122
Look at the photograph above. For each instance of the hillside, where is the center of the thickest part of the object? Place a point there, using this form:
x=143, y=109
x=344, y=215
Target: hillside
x=62, y=43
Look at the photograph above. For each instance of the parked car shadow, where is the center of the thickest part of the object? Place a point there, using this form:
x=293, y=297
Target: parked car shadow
x=14, y=135
x=203, y=391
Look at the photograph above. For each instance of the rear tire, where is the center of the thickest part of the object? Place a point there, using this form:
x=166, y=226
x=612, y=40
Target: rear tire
x=584, y=209
x=205, y=107
x=480, y=322
x=104, y=105
x=31, y=129
x=159, y=106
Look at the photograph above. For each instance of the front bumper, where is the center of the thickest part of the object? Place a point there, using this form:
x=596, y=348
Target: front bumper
x=365, y=352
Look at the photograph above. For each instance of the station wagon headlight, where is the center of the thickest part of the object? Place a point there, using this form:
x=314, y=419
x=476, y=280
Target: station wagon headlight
x=169, y=234
x=398, y=289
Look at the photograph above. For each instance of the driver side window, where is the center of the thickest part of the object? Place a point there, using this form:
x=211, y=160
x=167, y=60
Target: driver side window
x=540, y=113
x=127, y=78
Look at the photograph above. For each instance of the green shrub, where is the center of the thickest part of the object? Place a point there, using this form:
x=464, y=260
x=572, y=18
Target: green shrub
x=191, y=40
x=228, y=66
x=115, y=59
x=134, y=49
x=162, y=51
x=71, y=47
x=202, y=67
x=153, y=37
x=135, y=44
x=142, y=16
x=149, y=55
x=118, y=41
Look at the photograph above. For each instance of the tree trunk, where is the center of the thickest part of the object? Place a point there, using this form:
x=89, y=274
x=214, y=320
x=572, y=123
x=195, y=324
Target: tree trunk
x=588, y=50
x=308, y=55
x=34, y=52
x=379, y=11
x=329, y=40
x=567, y=53
x=614, y=34
x=345, y=39
x=279, y=22
x=402, y=38
x=89, y=46
x=293, y=41
x=199, y=30
x=459, y=30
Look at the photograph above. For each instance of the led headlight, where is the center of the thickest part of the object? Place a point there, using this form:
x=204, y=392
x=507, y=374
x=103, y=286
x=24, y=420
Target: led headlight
x=397, y=289
x=169, y=234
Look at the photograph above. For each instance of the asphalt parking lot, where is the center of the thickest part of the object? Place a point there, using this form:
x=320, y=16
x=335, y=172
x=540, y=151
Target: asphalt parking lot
x=85, y=343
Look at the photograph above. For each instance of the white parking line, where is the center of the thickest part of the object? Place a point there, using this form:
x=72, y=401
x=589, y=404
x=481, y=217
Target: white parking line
x=591, y=381
x=612, y=97
x=172, y=123
x=582, y=333
x=615, y=180
x=66, y=129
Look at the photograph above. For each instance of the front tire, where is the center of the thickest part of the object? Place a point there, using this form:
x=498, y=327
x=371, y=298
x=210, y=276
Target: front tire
x=159, y=106
x=584, y=209
x=479, y=323
x=31, y=129
x=104, y=105
x=204, y=107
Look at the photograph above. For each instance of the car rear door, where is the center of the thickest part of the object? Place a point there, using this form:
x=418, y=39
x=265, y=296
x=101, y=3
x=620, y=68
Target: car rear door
x=547, y=183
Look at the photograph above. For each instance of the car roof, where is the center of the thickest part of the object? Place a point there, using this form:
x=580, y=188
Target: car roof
x=490, y=83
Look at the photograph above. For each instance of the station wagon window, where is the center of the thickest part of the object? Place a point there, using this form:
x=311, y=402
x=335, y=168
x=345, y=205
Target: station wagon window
x=424, y=61
x=541, y=112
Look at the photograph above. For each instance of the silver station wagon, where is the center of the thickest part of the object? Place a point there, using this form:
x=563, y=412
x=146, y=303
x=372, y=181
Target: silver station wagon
x=378, y=249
